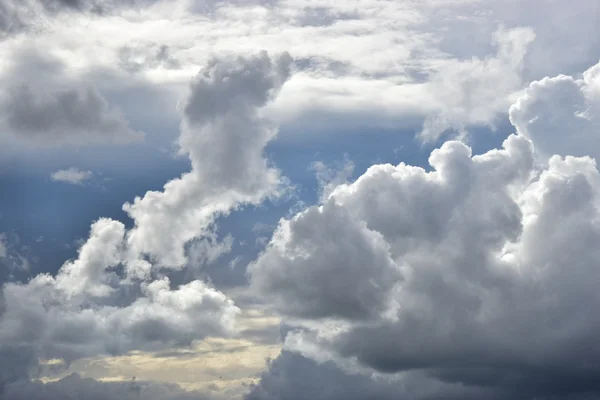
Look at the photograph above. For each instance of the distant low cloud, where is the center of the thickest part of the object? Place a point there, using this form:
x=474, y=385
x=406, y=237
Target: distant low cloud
x=71, y=175
x=77, y=387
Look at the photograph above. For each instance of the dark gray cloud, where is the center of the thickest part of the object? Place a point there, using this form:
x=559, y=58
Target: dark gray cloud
x=293, y=377
x=76, y=116
x=43, y=103
x=74, y=387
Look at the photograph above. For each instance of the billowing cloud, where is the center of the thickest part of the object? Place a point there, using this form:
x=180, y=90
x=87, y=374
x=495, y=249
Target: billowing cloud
x=111, y=299
x=224, y=135
x=87, y=309
x=71, y=175
x=478, y=272
x=561, y=115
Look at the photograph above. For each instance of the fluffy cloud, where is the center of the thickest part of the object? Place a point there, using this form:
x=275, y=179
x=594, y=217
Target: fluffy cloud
x=480, y=271
x=224, y=134
x=561, y=115
x=71, y=175
x=87, y=309
x=111, y=299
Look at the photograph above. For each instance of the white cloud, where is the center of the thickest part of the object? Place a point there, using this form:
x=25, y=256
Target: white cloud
x=478, y=272
x=561, y=115
x=477, y=91
x=71, y=175
x=378, y=62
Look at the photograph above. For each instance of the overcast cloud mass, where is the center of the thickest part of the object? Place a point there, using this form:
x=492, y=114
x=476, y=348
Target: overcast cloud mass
x=294, y=199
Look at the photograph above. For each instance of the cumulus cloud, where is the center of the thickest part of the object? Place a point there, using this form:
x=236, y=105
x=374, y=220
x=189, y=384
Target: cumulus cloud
x=112, y=298
x=87, y=309
x=478, y=272
x=71, y=175
x=224, y=135
x=561, y=115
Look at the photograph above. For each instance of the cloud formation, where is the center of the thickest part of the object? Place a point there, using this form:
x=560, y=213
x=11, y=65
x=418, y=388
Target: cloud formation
x=71, y=175
x=113, y=298
x=561, y=115
x=43, y=103
x=224, y=135
x=478, y=272
x=76, y=116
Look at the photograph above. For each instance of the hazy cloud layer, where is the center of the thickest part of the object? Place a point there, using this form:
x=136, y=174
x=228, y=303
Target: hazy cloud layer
x=455, y=64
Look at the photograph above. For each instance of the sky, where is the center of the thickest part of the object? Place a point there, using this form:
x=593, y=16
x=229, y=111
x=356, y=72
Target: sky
x=299, y=199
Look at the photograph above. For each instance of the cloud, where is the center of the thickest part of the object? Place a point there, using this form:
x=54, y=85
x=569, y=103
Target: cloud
x=561, y=115
x=328, y=178
x=77, y=387
x=44, y=103
x=71, y=175
x=74, y=116
x=17, y=16
x=13, y=262
x=113, y=298
x=224, y=135
x=86, y=309
x=477, y=91
x=479, y=271
x=293, y=377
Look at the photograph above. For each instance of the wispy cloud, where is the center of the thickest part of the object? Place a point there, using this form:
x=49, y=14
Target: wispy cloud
x=71, y=175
